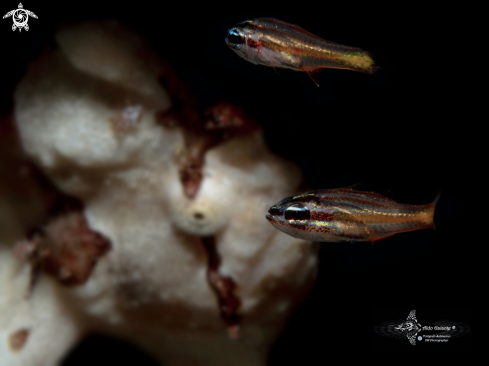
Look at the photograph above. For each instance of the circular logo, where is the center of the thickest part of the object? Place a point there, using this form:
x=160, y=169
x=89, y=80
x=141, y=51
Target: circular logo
x=420, y=338
x=20, y=18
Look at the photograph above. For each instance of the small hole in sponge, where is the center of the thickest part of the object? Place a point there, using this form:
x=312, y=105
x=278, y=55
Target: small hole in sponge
x=198, y=216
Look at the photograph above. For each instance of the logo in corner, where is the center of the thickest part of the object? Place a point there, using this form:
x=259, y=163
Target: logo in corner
x=399, y=329
x=410, y=327
x=20, y=17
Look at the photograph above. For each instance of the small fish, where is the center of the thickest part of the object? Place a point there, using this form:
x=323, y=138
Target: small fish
x=272, y=42
x=346, y=214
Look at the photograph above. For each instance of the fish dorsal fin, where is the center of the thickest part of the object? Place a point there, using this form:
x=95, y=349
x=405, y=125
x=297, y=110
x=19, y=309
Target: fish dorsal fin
x=350, y=192
x=354, y=186
x=382, y=192
x=365, y=188
x=370, y=193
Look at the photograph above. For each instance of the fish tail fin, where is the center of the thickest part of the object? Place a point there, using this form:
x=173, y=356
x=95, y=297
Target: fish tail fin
x=437, y=197
x=372, y=70
x=435, y=201
x=369, y=66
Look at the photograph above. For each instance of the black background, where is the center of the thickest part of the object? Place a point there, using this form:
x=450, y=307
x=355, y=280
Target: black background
x=398, y=130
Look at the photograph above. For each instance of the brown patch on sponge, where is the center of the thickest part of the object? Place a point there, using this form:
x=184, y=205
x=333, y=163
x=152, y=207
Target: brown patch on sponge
x=203, y=126
x=18, y=339
x=65, y=248
x=224, y=287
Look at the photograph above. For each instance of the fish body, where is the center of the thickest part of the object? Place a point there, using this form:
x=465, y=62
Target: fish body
x=344, y=214
x=272, y=42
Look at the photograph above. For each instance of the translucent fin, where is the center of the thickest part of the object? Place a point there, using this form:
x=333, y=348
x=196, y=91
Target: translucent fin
x=313, y=74
x=383, y=192
x=377, y=238
x=435, y=201
x=372, y=70
x=356, y=185
x=437, y=197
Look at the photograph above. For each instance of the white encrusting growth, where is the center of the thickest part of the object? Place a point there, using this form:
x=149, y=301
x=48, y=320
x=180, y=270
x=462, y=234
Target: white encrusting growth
x=154, y=278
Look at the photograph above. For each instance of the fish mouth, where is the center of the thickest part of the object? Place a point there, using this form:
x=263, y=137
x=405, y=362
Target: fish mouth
x=273, y=214
x=274, y=211
x=274, y=221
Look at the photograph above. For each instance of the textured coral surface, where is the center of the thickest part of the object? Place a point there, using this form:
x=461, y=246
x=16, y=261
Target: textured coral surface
x=177, y=256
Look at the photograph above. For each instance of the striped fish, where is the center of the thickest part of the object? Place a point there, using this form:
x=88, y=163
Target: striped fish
x=346, y=214
x=272, y=42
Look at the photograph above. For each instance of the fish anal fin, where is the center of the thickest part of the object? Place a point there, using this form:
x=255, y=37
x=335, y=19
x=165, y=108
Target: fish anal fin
x=314, y=75
x=374, y=239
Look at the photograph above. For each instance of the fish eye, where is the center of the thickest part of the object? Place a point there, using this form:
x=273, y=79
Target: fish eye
x=297, y=214
x=235, y=39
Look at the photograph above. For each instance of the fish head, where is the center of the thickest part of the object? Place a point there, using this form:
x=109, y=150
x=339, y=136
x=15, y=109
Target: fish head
x=238, y=39
x=291, y=215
